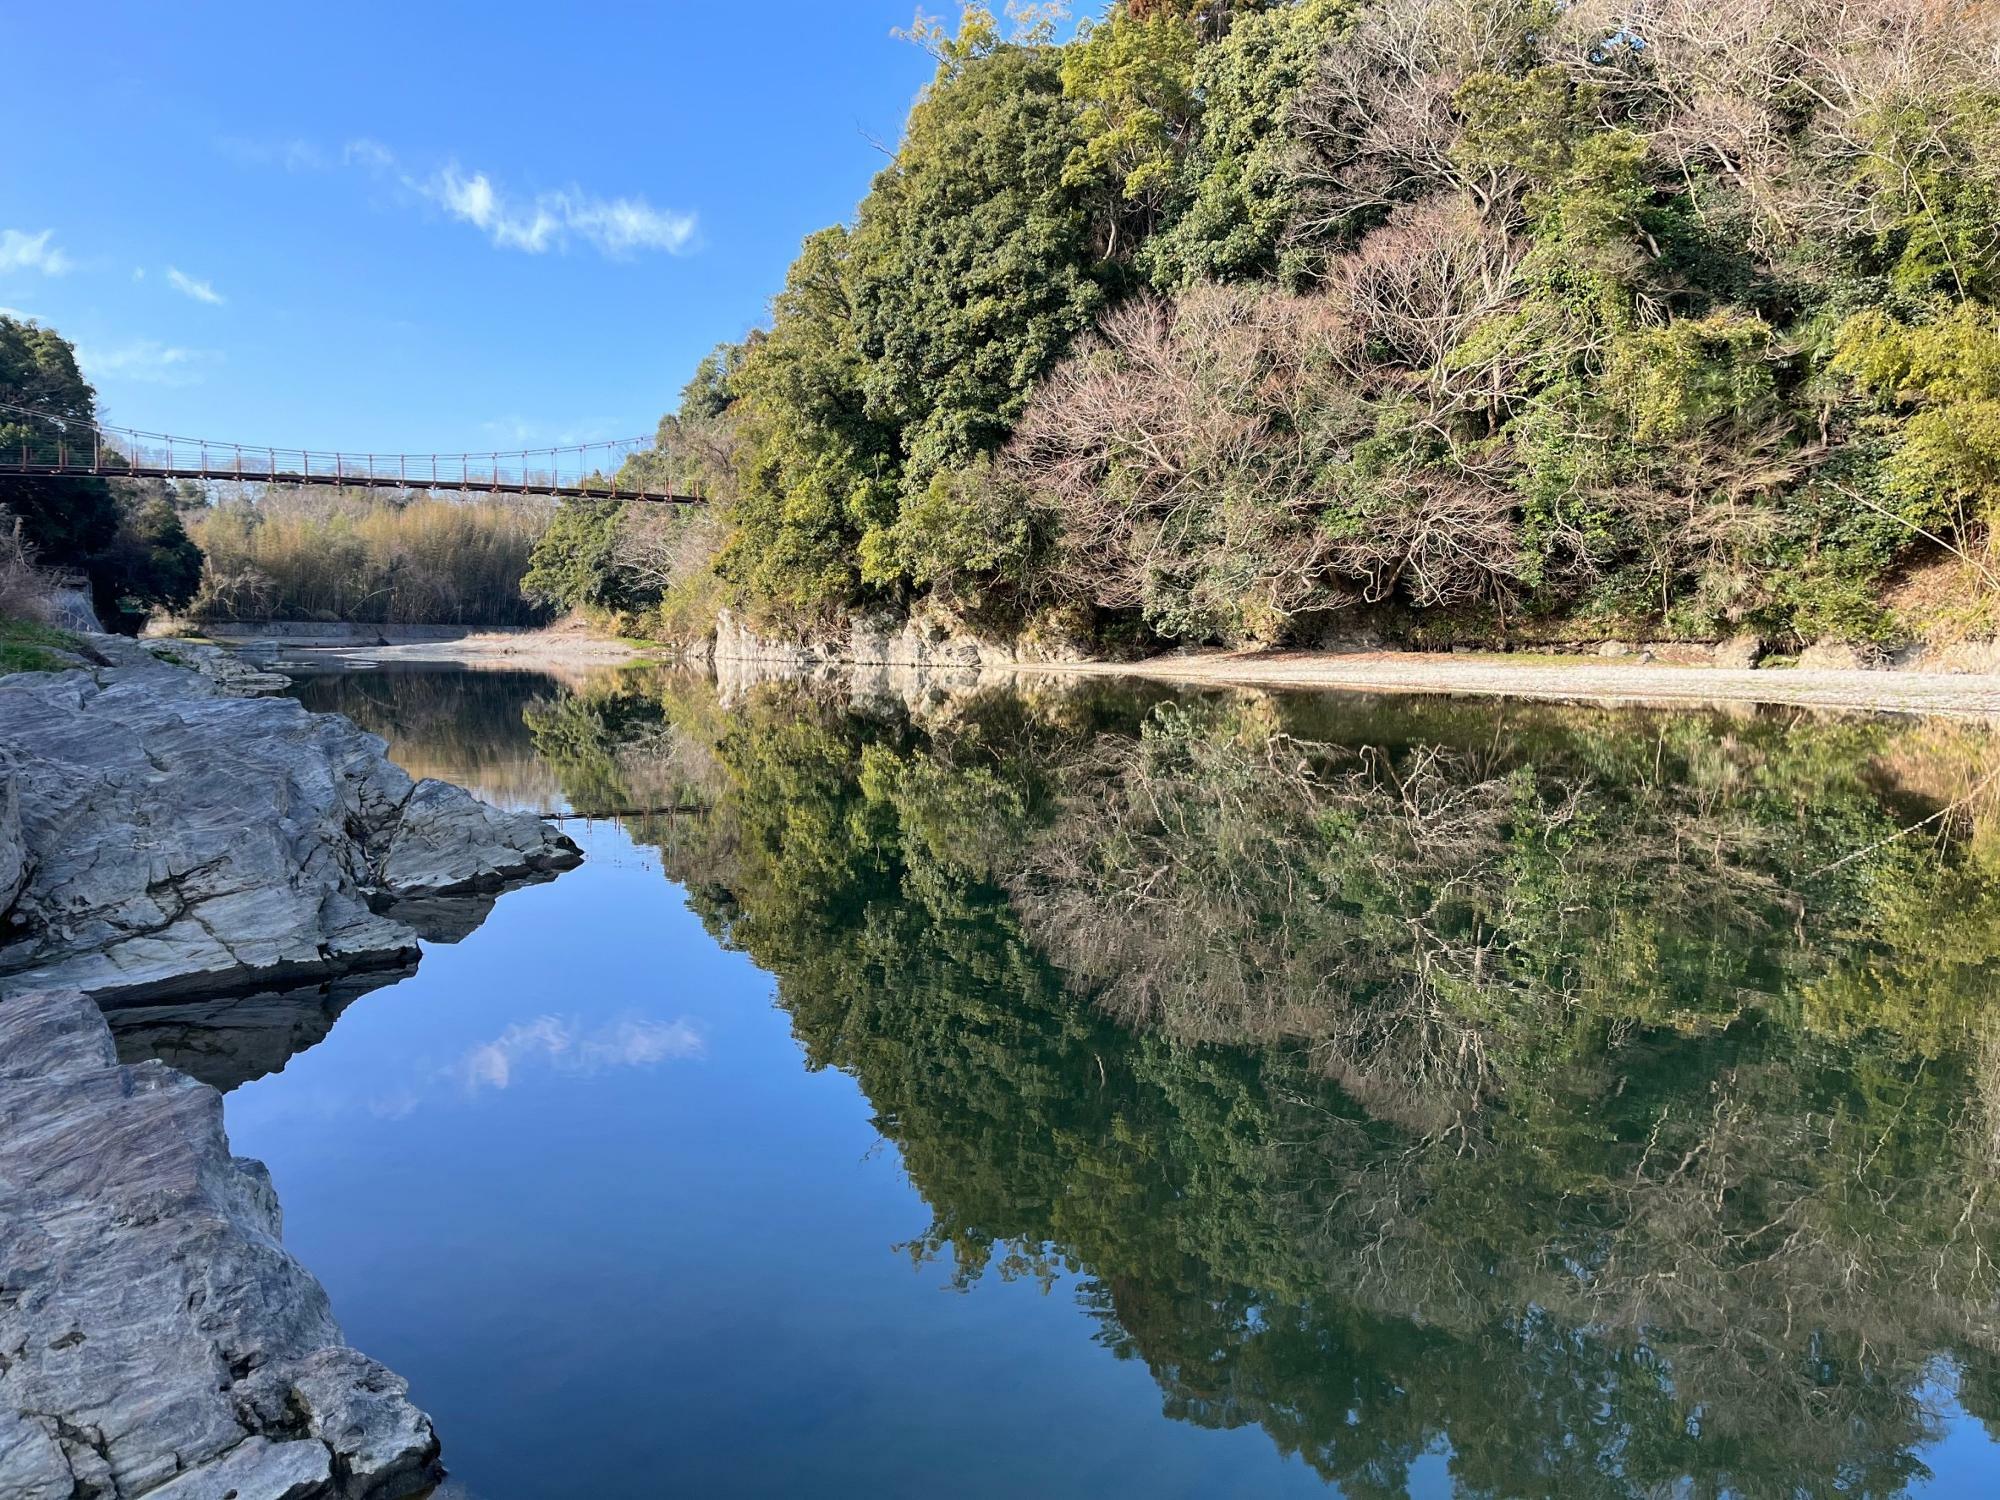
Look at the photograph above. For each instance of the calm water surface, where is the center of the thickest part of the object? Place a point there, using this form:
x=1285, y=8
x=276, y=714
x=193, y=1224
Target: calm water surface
x=1115, y=1092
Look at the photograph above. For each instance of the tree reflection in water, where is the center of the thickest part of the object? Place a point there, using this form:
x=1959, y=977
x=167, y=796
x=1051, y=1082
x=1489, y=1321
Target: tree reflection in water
x=1611, y=1095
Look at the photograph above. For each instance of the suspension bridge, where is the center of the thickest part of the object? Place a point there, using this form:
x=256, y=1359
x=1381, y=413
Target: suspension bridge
x=51, y=446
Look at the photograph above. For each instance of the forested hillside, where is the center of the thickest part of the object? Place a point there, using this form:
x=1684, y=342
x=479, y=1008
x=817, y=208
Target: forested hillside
x=1217, y=318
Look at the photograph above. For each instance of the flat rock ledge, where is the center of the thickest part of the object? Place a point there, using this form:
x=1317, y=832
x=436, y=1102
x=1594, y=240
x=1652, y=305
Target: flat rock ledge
x=156, y=1339
x=164, y=833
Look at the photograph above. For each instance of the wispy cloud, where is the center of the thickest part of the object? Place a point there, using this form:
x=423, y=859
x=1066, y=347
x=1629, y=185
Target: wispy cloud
x=366, y=153
x=21, y=251
x=148, y=360
x=618, y=228
x=16, y=313
x=292, y=155
x=201, y=291
x=614, y=227
x=559, y=1043
x=521, y=432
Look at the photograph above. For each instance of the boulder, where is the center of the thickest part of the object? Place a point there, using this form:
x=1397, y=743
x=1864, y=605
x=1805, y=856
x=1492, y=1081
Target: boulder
x=1834, y=656
x=159, y=1340
x=178, y=838
x=1740, y=652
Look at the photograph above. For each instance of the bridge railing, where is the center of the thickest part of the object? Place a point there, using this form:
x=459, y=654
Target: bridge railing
x=39, y=454
x=40, y=443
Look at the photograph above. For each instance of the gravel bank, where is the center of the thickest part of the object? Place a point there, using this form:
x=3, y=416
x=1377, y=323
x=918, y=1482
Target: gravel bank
x=1586, y=681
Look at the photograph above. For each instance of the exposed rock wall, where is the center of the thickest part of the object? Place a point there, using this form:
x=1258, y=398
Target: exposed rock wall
x=882, y=656
x=923, y=642
x=156, y=1339
x=164, y=834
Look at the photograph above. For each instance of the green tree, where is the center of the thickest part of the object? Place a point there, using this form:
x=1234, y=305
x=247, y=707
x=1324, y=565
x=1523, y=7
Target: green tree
x=906, y=346
x=65, y=521
x=817, y=469
x=1238, y=187
x=574, y=563
x=1132, y=77
x=150, y=563
x=971, y=265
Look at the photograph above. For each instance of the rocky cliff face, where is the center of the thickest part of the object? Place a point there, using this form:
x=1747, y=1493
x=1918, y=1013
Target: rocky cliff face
x=924, y=642
x=156, y=1339
x=166, y=835
x=882, y=657
x=162, y=834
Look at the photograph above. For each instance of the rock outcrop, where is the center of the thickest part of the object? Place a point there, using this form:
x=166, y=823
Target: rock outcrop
x=163, y=834
x=882, y=659
x=156, y=1339
x=924, y=642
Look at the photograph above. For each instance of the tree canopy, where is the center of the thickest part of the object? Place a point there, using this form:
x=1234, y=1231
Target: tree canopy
x=1223, y=315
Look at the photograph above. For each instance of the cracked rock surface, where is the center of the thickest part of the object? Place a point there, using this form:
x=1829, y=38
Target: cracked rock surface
x=162, y=834
x=156, y=1339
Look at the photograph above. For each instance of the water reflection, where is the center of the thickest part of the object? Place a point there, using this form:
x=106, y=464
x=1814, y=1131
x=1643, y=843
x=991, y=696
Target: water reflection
x=1609, y=1098
x=561, y=1043
x=228, y=1041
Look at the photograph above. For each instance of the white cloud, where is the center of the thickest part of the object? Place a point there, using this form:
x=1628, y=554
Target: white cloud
x=201, y=291
x=149, y=361
x=16, y=313
x=614, y=227
x=617, y=228
x=21, y=251
x=559, y=1043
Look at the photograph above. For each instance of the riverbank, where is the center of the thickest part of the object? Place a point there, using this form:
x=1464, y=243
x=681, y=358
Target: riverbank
x=1569, y=679
x=169, y=835
x=160, y=1341
x=932, y=652
x=933, y=655
x=566, y=644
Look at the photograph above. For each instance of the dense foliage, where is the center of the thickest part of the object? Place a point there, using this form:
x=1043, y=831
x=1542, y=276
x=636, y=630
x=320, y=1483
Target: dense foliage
x=127, y=537
x=327, y=555
x=1225, y=314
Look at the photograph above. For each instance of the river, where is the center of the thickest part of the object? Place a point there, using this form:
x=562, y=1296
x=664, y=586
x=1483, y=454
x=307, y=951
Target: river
x=1109, y=1089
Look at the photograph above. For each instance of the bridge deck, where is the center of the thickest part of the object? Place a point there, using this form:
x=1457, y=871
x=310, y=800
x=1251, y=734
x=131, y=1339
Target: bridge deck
x=487, y=484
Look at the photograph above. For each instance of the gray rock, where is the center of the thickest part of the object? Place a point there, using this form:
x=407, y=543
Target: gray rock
x=1614, y=648
x=231, y=674
x=156, y=1339
x=177, y=838
x=1835, y=656
x=1740, y=652
x=229, y=1040
x=13, y=854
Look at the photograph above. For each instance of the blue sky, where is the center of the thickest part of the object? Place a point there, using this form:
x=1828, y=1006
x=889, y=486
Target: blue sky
x=426, y=226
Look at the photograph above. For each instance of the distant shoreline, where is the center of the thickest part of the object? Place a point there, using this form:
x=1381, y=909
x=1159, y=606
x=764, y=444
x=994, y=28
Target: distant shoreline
x=1579, y=679
x=1964, y=695
x=561, y=645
